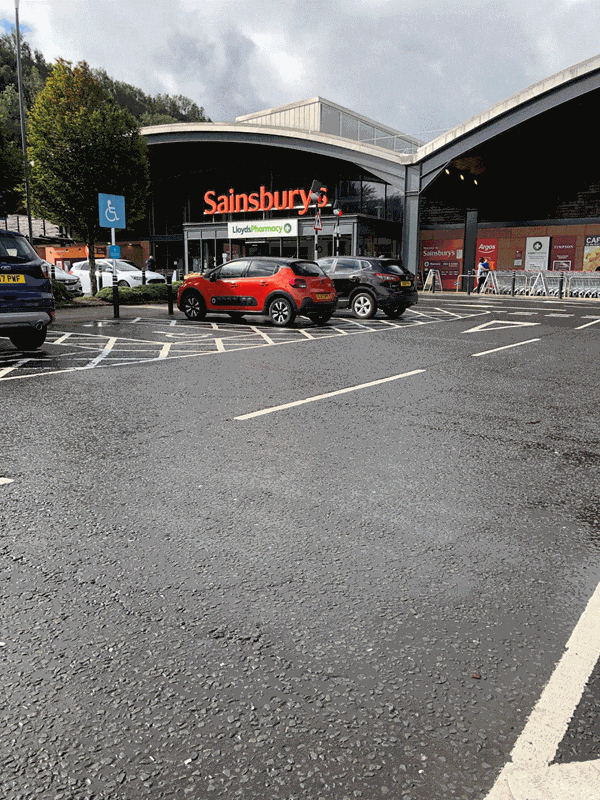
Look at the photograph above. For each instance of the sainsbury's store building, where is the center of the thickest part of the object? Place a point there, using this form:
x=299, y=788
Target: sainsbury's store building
x=526, y=171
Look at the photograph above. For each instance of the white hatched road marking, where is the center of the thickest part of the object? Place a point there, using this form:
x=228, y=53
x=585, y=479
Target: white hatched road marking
x=87, y=350
x=14, y=366
x=108, y=347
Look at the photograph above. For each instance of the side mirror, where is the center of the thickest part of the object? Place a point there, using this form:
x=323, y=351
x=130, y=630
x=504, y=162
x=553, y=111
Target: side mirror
x=212, y=277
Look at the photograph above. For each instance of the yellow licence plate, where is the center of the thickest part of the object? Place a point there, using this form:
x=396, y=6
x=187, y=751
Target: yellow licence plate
x=323, y=296
x=405, y=283
x=12, y=278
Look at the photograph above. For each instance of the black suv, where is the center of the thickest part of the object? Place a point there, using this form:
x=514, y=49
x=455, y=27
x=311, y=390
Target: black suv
x=26, y=301
x=365, y=284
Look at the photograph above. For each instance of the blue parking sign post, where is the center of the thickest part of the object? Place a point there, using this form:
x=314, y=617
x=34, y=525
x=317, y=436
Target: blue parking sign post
x=111, y=211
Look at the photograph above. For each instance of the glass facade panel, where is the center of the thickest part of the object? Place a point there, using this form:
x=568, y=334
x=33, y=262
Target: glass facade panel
x=350, y=196
x=349, y=127
x=330, y=120
x=373, y=199
x=365, y=131
x=387, y=141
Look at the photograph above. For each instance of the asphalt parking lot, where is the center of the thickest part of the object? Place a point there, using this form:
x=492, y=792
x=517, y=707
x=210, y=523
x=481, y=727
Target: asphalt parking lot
x=351, y=561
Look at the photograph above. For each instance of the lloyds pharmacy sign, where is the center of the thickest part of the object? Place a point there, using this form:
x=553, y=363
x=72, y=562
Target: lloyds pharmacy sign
x=262, y=229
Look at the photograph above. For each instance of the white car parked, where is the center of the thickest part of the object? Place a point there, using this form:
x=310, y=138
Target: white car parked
x=127, y=274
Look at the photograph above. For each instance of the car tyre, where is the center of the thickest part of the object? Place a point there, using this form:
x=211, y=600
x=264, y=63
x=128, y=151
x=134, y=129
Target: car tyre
x=28, y=339
x=363, y=305
x=123, y=285
x=281, y=312
x=192, y=305
x=394, y=313
x=320, y=319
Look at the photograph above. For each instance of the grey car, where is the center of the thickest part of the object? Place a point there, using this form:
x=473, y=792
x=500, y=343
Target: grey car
x=71, y=282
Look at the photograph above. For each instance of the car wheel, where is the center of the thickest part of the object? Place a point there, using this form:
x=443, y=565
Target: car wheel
x=193, y=306
x=363, y=305
x=281, y=312
x=320, y=319
x=123, y=284
x=394, y=313
x=28, y=339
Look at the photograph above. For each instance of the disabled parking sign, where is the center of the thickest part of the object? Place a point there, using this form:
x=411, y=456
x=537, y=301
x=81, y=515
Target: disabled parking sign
x=111, y=209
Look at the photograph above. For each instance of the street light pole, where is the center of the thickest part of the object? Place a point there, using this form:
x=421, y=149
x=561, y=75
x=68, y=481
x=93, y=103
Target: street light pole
x=22, y=117
x=315, y=194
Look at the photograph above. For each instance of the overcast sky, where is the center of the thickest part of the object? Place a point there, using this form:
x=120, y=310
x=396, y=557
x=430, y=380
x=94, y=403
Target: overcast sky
x=421, y=66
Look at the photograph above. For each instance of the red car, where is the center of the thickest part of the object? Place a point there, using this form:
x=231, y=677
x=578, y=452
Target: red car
x=279, y=288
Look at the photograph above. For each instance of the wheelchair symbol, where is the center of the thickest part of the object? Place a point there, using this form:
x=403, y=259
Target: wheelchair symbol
x=111, y=212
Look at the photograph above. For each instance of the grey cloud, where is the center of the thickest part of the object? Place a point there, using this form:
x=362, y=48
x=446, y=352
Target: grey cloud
x=421, y=66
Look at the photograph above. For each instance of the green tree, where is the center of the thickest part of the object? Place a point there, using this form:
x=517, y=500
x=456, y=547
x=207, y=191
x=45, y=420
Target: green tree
x=81, y=143
x=10, y=171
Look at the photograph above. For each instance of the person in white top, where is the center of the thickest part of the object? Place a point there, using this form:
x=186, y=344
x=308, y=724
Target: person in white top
x=482, y=270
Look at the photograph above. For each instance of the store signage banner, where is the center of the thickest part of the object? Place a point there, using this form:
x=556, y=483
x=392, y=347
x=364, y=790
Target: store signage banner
x=445, y=256
x=537, y=252
x=591, y=253
x=488, y=249
x=262, y=229
x=562, y=253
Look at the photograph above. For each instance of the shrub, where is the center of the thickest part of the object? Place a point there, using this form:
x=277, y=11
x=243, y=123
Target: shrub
x=60, y=293
x=138, y=295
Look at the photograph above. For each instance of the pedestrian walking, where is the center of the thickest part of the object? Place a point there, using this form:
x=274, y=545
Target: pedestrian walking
x=482, y=270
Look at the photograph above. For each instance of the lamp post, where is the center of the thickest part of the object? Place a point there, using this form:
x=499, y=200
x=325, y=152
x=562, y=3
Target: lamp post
x=22, y=118
x=315, y=194
x=336, y=228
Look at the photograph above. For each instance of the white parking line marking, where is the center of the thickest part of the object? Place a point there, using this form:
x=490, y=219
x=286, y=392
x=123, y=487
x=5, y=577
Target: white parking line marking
x=536, y=747
x=165, y=351
x=16, y=365
x=587, y=324
x=219, y=345
x=294, y=403
x=6, y=481
x=506, y=347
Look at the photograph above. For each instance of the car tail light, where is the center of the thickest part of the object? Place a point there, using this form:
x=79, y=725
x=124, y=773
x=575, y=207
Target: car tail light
x=389, y=278
x=45, y=271
x=298, y=283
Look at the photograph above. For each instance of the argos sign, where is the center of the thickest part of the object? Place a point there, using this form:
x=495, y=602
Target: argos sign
x=263, y=200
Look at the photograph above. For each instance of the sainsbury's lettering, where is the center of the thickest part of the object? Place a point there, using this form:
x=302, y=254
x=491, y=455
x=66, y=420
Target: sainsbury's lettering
x=263, y=200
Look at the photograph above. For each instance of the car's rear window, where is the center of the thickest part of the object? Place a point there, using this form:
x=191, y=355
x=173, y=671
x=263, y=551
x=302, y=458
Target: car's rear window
x=16, y=249
x=306, y=268
x=390, y=268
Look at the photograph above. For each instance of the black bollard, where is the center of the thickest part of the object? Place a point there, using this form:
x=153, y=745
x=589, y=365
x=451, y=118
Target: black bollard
x=170, y=292
x=115, y=295
x=513, y=284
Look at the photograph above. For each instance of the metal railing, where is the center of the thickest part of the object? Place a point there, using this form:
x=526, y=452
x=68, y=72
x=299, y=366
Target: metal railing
x=542, y=283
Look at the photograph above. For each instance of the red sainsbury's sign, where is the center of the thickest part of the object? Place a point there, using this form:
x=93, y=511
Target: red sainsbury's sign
x=263, y=200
